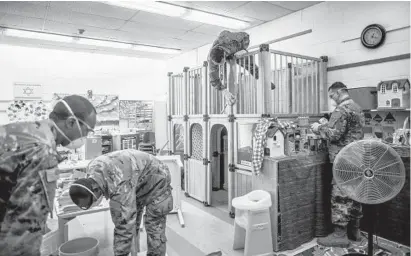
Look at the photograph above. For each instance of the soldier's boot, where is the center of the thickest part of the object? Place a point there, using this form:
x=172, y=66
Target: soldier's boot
x=353, y=229
x=336, y=239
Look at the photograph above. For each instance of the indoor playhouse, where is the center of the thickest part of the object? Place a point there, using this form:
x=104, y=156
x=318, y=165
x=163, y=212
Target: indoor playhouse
x=217, y=139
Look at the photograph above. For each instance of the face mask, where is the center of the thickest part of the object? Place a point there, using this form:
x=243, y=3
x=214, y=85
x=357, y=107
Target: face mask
x=74, y=144
x=96, y=200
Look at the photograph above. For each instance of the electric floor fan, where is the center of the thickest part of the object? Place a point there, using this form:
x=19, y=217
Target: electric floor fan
x=371, y=173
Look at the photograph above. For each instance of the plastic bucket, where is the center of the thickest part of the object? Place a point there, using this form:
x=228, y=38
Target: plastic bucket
x=84, y=246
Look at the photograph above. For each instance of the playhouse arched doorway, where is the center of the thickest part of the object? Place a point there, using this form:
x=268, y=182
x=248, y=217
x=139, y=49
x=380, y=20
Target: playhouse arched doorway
x=219, y=166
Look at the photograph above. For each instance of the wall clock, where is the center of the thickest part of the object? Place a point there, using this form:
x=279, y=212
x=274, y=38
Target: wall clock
x=373, y=36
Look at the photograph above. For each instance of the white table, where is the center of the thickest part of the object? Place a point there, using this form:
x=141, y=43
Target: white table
x=72, y=165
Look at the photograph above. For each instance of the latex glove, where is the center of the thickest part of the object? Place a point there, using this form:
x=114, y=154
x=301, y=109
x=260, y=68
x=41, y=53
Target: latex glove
x=323, y=121
x=315, y=127
x=229, y=97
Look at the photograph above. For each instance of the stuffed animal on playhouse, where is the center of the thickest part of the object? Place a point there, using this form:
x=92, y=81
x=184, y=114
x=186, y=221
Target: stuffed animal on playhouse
x=226, y=45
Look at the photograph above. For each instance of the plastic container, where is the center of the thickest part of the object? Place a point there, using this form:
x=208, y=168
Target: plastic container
x=84, y=246
x=366, y=97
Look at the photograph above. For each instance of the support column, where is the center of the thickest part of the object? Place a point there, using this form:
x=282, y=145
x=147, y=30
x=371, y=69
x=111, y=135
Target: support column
x=323, y=97
x=206, y=136
x=204, y=88
x=231, y=110
x=169, y=122
x=264, y=79
x=186, y=128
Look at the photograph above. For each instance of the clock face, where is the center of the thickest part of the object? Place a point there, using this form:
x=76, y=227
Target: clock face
x=373, y=36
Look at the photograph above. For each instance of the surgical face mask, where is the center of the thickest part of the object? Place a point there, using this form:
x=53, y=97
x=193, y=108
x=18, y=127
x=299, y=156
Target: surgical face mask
x=77, y=143
x=96, y=201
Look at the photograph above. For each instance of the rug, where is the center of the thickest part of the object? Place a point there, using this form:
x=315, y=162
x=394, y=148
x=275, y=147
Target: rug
x=384, y=248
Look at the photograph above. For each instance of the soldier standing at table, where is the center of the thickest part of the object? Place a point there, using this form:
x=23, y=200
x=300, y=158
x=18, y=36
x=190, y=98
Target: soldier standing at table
x=28, y=163
x=132, y=180
x=345, y=126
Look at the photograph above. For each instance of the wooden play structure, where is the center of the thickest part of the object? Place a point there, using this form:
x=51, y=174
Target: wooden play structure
x=217, y=139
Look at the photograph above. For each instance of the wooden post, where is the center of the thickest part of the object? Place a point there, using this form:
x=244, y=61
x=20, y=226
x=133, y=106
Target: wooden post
x=185, y=91
x=264, y=80
x=206, y=139
x=186, y=128
x=323, y=95
x=169, y=113
x=231, y=111
x=204, y=88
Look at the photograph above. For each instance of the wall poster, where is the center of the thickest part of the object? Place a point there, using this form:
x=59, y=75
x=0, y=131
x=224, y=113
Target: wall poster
x=138, y=113
x=107, y=107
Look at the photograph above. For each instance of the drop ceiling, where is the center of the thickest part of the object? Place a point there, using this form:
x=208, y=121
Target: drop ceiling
x=99, y=20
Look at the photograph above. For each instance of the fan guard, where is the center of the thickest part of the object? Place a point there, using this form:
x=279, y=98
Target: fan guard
x=369, y=172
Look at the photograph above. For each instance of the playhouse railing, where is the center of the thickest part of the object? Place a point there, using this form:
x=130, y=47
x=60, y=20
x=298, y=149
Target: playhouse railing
x=297, y=85
x=195, y=92
x=246, y=76
x=176, y=95
x=216, y=102
x=264, y=81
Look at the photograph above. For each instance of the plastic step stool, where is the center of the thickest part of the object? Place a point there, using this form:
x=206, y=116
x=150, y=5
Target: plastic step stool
x=252, y=226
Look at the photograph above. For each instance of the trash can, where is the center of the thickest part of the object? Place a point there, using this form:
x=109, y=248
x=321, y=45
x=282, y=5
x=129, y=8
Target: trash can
x=84, y=246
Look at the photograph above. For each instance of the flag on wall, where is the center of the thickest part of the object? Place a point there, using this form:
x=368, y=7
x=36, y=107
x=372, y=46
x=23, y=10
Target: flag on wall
x=25, y=91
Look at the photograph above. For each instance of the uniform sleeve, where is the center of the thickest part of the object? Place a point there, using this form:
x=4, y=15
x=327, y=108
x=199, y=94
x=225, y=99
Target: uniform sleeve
x=124, y=213
x=336, y=127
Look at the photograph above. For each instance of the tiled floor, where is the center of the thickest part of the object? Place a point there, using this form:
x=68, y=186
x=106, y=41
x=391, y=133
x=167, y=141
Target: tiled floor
x=207, y=230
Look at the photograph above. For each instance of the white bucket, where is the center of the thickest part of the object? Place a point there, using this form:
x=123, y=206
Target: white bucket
x=84, y=246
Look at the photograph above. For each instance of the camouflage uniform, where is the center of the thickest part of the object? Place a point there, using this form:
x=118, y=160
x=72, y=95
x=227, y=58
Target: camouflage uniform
x=132, y=180
x=27, y=154
x=345, y=126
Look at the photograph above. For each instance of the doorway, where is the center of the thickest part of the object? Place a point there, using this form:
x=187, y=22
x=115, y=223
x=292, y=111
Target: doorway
x=219, y=166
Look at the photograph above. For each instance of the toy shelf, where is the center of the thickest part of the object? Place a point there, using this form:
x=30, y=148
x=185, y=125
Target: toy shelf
x=390, y=109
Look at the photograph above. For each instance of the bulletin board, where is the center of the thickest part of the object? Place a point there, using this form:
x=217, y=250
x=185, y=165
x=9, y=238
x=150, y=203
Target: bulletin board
x=107, y=107
x=27, y=110
x=138, y=113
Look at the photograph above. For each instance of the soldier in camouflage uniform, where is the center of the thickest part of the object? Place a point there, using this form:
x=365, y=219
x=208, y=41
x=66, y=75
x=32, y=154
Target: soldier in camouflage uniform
x=345, y=126
x=28, y=164
x=132, y=180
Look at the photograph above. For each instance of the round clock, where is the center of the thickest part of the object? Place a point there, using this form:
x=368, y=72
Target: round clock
x=373, y=36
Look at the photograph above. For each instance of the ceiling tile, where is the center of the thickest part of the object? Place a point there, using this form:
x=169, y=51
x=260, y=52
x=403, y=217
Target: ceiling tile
x=72, y=29
x=261, y=10
x=209, y=29
x=198, y=37
x=146, y=29
x=16, y=21
x=96, y=21
x=293, y=5
x=222, y=8
x=58, y=15
x=95, y=8
x=164, y=21
x=23, y=9
x=220, y=5
x=81, y=19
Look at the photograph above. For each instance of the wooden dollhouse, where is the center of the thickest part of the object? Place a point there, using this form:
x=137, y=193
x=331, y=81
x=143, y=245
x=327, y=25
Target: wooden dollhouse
x=201, y=111
x=394, y=94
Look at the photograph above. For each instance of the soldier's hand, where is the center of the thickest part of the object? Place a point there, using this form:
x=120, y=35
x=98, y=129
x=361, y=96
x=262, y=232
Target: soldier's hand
x=315, y=127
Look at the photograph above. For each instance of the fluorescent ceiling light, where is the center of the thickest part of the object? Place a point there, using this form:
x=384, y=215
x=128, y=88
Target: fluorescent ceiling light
x=145, y=48
x=37, y=35
x=182, y=12
x=86, y=41
x=109, y=44
x=151, y=6
x=214, y=19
